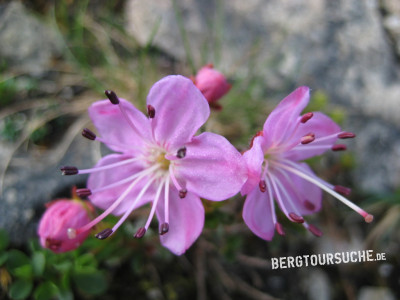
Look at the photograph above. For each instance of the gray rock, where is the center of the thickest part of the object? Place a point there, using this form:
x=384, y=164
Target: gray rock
x=33, y=180
x=340, y=47
x=28, y=45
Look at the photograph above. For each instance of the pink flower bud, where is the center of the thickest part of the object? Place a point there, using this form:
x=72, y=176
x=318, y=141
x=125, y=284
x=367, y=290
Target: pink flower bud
x=59, y=216
x=212, y=84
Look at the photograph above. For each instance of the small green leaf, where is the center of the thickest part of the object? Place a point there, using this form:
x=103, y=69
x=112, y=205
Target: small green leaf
x=38, y=263
x=86, y=260
x=3, y=239
x=3, y=258
x=90, y=281
x=19, y=264
x=46, y=291
x=20, y=289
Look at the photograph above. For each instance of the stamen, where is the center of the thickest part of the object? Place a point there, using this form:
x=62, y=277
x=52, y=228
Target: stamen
x=278, y=195
x=112, y=97
x=306, y=117
x=346, y=135
x=314, y=230
x=279, y=229
x=114, y=100
x=181, y=152
x=140, y=233
x=308, y=138
x=110, y=209
x=182, y=193
x=368, y=218
x=164, y=228
x=342, y=190
x=106, y=167
x=104, y=234
x=154, y=206
x=296, y=218
x=339, y=147
x=133, y=205
x=83, y=192
x=166, y=199
x=69, y=170
x=262, y=185
x=151, y=111
x=87, y=133
x=174, y=180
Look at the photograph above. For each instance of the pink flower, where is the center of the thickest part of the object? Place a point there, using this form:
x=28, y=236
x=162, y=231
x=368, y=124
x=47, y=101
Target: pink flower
x=58, y=217
x=212, y=84
x=275, y=172
x=159, y=160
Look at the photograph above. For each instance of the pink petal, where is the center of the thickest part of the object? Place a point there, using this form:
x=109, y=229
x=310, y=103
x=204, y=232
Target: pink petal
x=104, y=199
x=257, y=214
x=321, y=125
x=180, y=110
x=186, y=221
x=283, y=119
x=212, y=167
x=253, y=158
x=114, y=128
x=302, y=197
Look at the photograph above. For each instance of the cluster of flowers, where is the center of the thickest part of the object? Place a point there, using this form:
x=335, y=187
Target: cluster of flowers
x=160, y=160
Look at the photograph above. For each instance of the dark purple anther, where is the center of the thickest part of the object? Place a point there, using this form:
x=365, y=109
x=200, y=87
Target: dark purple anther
x=262, y=185
x=342, y=190
x=339, y=147
x=181, y=152
x=68, y=170
x=296, y=218
x=140, y=233
x=164, y=228
x=182, y=193
x=346, y=135
x=87, y=133
x=104, y=234
x=83, y=192
x=308, y=138
x=151, y=111
x=112, y=96
x=306, y=117
x=314, y=230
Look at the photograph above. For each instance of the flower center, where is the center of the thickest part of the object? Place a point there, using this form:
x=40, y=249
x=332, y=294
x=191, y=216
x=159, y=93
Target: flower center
x=162, y=161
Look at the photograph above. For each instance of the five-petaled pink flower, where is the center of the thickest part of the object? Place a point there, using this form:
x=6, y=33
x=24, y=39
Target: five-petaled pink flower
x=58, y=217
x=275, y=172
x=160, y=160
x=212, y=84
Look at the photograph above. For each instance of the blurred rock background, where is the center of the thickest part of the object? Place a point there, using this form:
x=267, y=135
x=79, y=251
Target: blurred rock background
x=56, y=59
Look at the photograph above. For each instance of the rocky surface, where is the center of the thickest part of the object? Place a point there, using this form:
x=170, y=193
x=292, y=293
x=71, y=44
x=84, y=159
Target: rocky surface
x=345, y=48
x=27, y=44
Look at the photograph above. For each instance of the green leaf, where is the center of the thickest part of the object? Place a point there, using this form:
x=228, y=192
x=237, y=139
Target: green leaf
x=90, y=281
x=3, y=258
x=3, y=239
x=19, y=264
x=38, y=263
x=20, y=289
x=46, y=291
x=85, y=260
